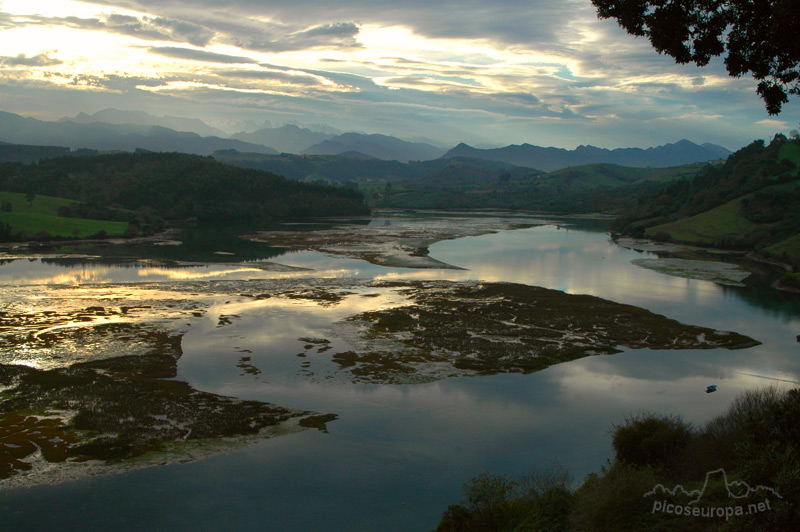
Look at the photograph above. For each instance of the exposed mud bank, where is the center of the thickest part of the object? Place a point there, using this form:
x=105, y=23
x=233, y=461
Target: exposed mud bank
x=399, y=242
x=455, y=329
x=91, y=390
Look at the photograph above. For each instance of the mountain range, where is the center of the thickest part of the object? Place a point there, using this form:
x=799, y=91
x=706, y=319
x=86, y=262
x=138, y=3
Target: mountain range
x=378, y=146
x=112, y=129
x=550, y=159
x=110, y=137
x=285, y=139
x=116, y=116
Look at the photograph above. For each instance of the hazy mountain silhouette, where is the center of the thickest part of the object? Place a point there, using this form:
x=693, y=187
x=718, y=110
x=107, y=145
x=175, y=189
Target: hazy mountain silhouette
x=285, y=139
x=107, y=137
x=140, y=118
x=378, y=146
x=550, y=159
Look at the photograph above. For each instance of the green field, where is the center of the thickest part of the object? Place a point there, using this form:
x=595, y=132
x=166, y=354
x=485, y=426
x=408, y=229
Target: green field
x=725, y=220
x=41, y=214
x=791, y=152
x=790, y=246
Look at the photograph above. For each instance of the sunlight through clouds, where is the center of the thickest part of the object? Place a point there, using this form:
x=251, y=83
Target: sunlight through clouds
x=542, y=72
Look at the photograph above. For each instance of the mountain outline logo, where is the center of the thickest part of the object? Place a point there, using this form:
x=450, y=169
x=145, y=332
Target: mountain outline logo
x=741, y=487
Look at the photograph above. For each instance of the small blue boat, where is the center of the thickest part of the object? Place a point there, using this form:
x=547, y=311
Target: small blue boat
x=712, y=388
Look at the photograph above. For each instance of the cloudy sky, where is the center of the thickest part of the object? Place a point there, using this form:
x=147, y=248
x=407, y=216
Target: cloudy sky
x=546, y=72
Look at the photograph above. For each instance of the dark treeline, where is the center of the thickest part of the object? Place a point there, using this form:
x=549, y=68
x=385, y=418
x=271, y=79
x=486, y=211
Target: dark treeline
x=176, y=186
x=20, y=153
x=467, y=183
x=343, y=168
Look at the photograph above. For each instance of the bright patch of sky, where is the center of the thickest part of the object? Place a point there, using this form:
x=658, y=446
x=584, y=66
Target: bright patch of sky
x=486, y=73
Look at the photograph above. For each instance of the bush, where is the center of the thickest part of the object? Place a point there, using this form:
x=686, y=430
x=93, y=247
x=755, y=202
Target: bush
x=614, y=502
x=651, y=440
x=550, y=513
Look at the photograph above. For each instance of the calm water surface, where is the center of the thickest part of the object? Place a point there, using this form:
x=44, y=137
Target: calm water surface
x=398, y=454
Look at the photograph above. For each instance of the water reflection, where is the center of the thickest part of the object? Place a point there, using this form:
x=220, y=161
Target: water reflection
x=398, y=454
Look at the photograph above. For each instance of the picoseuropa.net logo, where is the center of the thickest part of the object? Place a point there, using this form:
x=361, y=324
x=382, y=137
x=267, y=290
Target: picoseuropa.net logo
x=744, y=500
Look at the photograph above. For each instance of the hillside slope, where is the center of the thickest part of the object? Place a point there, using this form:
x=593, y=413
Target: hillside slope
x=748, y=203
x=175, y=186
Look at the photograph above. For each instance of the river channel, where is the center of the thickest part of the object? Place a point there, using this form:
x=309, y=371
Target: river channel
x=398, y=452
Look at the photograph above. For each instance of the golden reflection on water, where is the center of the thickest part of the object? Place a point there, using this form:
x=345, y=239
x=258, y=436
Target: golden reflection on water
x=71, y=278
x=183, y=275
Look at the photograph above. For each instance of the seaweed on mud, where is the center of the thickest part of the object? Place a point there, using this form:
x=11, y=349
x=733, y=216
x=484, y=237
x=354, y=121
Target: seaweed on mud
x=489, y=328
x=116, y=409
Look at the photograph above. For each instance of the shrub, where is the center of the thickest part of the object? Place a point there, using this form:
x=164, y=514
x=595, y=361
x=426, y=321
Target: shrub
x=614, y=501
x=651, y=440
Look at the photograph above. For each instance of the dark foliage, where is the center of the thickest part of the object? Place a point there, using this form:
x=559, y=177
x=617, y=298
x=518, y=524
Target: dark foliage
x=756, y=37
x=651, y=440
x=176, y=186
x=755, y=443
x=20, y=153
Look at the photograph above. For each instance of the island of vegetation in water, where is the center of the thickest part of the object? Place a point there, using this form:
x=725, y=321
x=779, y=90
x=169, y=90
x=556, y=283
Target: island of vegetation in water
x=469, y=328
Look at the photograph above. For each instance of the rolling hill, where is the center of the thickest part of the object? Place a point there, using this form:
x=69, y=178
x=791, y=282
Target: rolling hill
x=143, y=188
x=748, y=203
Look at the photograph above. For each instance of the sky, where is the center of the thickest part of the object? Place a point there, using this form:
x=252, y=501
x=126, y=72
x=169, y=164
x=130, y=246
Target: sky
x=489, y=73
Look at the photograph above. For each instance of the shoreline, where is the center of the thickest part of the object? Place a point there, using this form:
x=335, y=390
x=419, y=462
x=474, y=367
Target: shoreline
x=676, y=249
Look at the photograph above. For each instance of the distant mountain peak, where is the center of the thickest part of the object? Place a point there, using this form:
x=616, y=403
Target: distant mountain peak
x=109, y=136
x=141, y=118
x=376, y=145
x=551, y=159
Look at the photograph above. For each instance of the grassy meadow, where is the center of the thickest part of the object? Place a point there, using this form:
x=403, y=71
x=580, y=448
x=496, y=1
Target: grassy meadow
x=41, y=215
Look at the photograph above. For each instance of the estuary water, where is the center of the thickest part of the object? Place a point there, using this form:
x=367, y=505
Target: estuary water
x=397, y=455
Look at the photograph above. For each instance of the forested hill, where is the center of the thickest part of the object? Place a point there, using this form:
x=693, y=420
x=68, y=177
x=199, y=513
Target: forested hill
x=178, y=186
x=750, y=203
x=29, y=154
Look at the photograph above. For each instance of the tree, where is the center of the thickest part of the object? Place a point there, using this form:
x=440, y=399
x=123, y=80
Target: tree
x=760, y=37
